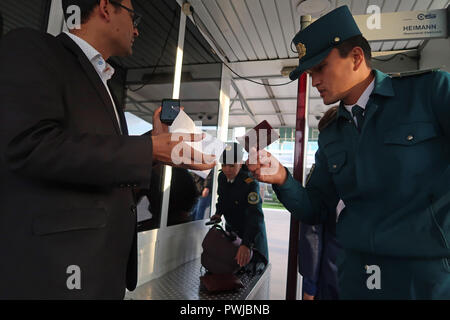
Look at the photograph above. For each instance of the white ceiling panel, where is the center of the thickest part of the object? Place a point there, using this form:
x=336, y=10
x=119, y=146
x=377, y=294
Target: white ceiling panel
x=246, y=20
x=262, y=27
x=387, y=45
x=290, y=121
x=251, y=90
x=376, y=46
x=390, y=6
x=273, y=120
x=287, y=90
x=287, y=24
x=212, y=27
x=359, y=7
x=422, y=5
x=263, y=106
x=224, y=27
x=272, y=17
x=438, y=4
x=288, y=106
x=255, y=30
x=235, y=24
x=406, y=5
x=400, y=45
x=240, y=121
x=347, y=3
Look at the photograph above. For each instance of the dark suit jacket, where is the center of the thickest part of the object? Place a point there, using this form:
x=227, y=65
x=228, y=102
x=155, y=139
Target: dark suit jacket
x=66, y=174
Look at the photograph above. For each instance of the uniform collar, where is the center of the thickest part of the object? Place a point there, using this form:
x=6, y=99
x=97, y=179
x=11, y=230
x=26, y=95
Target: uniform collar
x=383, y=87
x=383, y=84
x=104, y=69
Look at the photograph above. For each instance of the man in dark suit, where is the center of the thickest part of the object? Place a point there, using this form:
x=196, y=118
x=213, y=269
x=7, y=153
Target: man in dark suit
x=67, y=165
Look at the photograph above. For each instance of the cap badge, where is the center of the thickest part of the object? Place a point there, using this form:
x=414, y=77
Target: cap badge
x=301, y=49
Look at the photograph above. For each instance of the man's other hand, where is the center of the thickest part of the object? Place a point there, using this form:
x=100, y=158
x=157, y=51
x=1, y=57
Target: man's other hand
x=172, y=150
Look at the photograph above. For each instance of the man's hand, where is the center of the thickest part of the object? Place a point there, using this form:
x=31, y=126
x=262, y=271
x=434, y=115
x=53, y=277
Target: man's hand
x=243, y=255
x=158, y=126
x=171, y=149
x=265, y=167
x=307, y=296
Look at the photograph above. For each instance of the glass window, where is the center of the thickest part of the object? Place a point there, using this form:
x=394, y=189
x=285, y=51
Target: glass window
x=190, y=192
x=150, y=76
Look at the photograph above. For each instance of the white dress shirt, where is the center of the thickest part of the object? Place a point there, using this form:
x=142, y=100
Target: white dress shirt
x=363, y=99
x=104, y=69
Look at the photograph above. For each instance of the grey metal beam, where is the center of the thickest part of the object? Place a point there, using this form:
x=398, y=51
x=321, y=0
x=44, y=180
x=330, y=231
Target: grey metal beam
x=244, y=102
x=274, y=102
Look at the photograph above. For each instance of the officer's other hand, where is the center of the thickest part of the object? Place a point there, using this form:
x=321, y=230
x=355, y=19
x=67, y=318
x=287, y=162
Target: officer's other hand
x=172, y=150
x=243, y=256
x=265, y=167
x=205, y=192
x=216, y=217
x=307, y=296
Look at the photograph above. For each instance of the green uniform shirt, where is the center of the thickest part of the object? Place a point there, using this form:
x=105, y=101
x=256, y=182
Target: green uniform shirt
x=240, y=203
x=394, y=177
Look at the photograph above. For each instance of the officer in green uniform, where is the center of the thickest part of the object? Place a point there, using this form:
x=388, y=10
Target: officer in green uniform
x=240, y=203
x=386, y=154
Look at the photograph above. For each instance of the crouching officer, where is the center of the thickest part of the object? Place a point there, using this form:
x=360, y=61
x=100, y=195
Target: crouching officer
x=240, y=203
x=386, y=154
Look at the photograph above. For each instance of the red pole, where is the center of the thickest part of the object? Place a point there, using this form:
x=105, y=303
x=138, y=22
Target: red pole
x=299, y=158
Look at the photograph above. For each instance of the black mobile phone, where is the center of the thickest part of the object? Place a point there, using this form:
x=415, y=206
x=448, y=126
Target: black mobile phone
x=170, y=110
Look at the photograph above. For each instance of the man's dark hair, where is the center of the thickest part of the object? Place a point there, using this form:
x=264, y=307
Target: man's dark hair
x=86, y=7
x=357, y=41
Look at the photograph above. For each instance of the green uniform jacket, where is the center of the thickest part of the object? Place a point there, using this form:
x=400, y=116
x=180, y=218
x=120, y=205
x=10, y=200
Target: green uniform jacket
x=240, y=203
x=394, y=177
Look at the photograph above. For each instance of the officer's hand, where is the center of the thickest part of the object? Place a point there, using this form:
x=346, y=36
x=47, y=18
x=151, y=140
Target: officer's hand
x=265, y=167
x=171, y=149
x=307, y=296
x=205, y=192
x=243, y=255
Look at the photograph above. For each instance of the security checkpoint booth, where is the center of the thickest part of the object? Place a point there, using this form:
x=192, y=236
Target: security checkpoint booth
x=228, y=61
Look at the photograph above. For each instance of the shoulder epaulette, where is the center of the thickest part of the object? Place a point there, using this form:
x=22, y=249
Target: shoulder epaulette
x=248, y=180
x=328, y=118
x=412, y=73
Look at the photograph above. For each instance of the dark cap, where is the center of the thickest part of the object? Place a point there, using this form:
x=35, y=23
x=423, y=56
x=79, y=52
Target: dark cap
x=315, y=42
x=232, y=154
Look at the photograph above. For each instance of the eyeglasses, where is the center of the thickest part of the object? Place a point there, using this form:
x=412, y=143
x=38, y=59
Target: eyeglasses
x=136, y=17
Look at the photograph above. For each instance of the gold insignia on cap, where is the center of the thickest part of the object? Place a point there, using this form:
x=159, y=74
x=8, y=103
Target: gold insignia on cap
x=228, y=148
x=253, y=198
x=337, y=39
x=301, y=49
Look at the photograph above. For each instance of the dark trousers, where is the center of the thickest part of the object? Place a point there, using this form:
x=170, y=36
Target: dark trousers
x=365, y=276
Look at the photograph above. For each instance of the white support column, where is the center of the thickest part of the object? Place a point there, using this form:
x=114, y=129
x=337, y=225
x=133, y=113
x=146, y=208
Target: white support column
x=175, y=95
x=55, y=18
x=179, y=62
x=222, y=123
